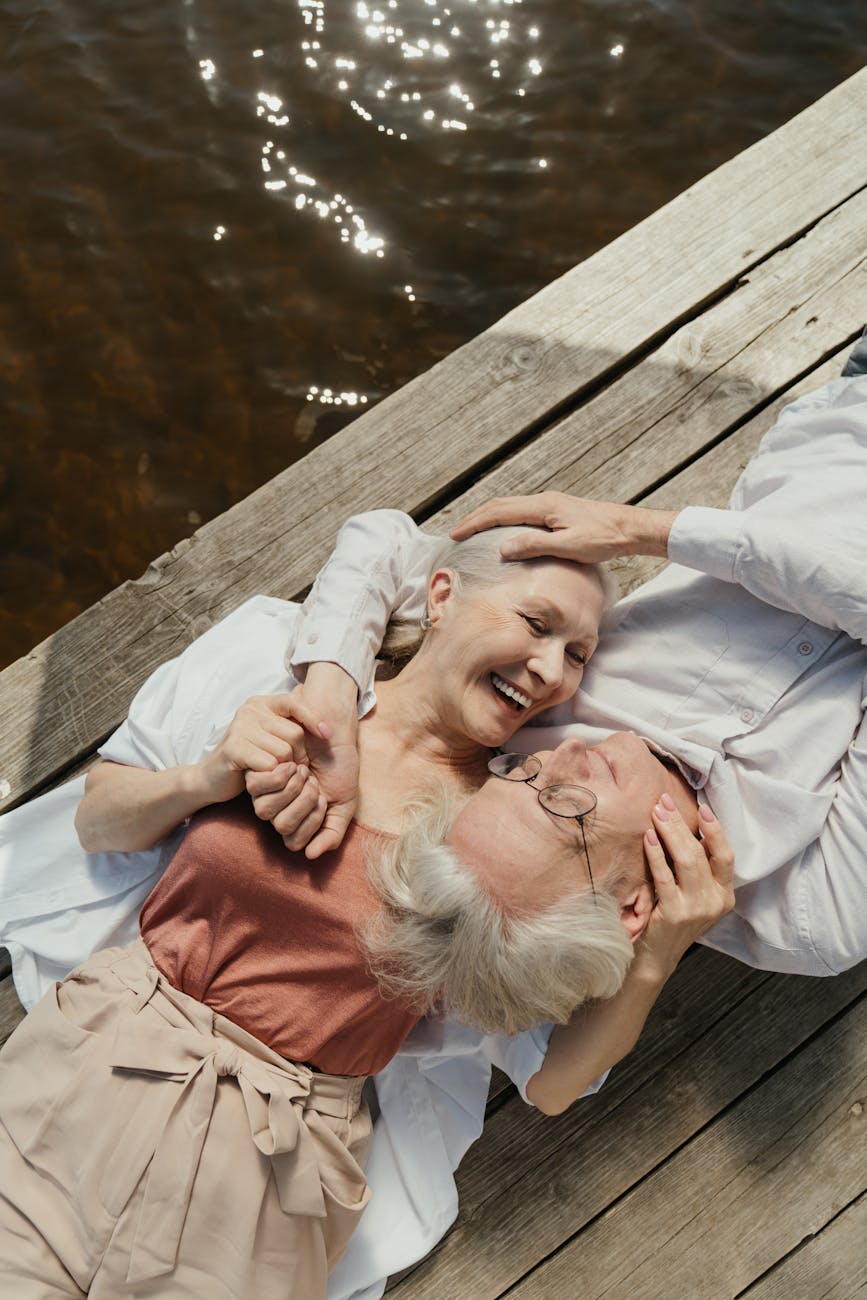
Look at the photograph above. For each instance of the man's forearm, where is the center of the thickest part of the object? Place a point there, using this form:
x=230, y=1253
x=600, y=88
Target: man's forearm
x=377, y=568
x=646, y=531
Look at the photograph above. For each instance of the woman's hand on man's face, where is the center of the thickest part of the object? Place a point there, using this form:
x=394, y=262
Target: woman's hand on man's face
x=693, y=883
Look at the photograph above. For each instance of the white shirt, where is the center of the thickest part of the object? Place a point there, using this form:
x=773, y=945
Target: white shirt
x=744, y=660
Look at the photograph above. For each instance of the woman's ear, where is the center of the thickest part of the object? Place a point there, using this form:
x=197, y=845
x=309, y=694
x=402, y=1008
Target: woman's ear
x=636, y=905
x=442, y=587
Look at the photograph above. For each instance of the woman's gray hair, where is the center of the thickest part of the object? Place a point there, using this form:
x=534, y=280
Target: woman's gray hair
x=476, y=561
x=440, y=939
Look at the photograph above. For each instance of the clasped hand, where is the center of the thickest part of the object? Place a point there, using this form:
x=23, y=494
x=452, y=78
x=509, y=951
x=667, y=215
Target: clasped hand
x=300, y=771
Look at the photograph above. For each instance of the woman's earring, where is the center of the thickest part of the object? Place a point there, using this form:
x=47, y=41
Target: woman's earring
x=424, y=622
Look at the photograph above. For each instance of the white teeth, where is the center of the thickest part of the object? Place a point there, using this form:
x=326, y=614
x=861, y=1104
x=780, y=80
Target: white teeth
x=512, y=692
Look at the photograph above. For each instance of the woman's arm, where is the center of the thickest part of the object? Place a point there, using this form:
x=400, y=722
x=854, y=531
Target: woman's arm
x=130, y=808
x=690, y=898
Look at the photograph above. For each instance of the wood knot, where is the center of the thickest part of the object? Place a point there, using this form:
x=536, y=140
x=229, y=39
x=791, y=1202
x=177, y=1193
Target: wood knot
x=520, y=360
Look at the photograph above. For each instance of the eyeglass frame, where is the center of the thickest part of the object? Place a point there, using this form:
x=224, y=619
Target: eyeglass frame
x=540, y=790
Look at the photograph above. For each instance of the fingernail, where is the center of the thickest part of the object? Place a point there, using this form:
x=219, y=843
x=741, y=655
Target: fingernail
x=668, y=802
x=705, y=813
x=325, y=731
x=651, y=837
x=507, y=550
x=660, y=813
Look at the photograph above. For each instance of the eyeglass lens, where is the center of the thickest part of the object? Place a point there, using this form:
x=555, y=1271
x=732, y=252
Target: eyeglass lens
x=561, y=800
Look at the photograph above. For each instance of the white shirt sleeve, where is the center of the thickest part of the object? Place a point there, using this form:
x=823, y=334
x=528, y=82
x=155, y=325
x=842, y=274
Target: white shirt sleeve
x=796, y=536
x=379, y=568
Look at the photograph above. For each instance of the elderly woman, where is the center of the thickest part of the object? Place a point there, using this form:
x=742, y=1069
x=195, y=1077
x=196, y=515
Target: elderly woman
x=183, y=1116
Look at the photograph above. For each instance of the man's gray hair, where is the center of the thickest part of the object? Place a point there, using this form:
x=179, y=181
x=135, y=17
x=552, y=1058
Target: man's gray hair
x=441, y=940
x=476, y=562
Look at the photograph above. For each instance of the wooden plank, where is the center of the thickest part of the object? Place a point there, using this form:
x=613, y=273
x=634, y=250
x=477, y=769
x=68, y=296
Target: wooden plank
x=768, y=1172
x=11, y=1010
x=828, y=1265
x=705, y=380
x=60, y=700
x=602, y=1153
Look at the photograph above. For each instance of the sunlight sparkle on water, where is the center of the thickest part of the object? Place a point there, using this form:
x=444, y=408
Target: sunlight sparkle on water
x=384, y=92
x=326, y=397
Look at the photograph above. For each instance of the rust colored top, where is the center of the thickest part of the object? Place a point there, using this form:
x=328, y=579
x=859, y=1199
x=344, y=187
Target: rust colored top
x=267, y=939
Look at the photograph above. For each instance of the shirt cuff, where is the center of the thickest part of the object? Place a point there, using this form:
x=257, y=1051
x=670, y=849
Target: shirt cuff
x=708, y=540
x=335, y=642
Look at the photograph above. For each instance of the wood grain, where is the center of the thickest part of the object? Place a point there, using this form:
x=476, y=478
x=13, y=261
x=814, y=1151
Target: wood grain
x=11, y=1010
x=765, y=1174
x=830, y=1264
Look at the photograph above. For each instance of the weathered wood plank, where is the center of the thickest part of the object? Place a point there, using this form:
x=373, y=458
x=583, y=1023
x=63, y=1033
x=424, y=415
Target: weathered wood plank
x=830, y=1264
x=706, y=379
x=603, y=1152
x=767, y=1173
x=60, y=700
x=11, y=1010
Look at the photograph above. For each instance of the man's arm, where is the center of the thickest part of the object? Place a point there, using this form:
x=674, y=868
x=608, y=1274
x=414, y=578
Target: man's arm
x=378, y=568
x=795, y=534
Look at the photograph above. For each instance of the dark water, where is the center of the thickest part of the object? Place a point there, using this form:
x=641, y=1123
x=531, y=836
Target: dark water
x=226, y=227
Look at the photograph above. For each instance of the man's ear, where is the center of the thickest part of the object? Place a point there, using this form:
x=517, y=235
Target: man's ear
x=441, y=588
x=636, y=907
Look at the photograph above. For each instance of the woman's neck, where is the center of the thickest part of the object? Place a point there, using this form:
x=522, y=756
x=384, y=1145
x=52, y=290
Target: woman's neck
x=405, y=750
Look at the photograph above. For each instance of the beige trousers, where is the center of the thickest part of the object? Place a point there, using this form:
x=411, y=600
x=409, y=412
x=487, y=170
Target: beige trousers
x=151, y=1148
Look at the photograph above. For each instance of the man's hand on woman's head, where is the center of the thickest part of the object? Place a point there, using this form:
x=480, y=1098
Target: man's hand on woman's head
x=692, y=879
x=575, y=528
x=311, y=797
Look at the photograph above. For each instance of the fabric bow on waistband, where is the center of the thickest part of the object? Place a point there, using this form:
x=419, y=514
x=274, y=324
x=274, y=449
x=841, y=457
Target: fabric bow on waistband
x=275, y=1100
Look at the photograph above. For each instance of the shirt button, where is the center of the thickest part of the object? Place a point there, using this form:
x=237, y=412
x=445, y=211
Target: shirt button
x=805, y=648
x=313, y=638
x=747, y=715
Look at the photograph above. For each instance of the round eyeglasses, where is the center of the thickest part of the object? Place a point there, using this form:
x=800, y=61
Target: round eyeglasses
x=571, y=801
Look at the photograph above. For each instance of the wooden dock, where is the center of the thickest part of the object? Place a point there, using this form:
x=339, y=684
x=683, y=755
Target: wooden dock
x=727, y=1157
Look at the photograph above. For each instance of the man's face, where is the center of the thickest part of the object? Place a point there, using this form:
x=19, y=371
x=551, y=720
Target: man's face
x=532, y=857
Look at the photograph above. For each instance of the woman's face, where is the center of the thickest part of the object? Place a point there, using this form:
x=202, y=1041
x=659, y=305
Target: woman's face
x=503, y=653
